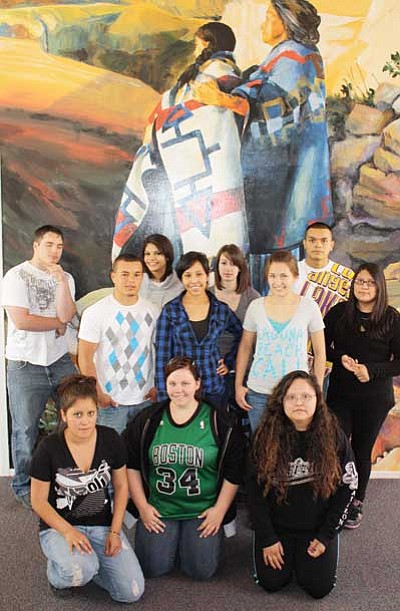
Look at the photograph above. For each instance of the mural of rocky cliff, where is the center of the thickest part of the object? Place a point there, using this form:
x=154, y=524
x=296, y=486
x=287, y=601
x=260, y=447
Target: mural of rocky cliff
x=365, y=174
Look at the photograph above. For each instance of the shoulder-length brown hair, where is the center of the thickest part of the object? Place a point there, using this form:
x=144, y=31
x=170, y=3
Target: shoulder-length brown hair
x=236, y=257
x=184, y=362
x=165, y=247
x=276, y=438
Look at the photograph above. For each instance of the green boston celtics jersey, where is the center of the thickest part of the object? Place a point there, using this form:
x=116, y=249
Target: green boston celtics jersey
x=183, y=466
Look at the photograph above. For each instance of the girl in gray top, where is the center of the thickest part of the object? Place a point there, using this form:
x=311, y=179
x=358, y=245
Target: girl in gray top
x=232, y=286
x=160, y=283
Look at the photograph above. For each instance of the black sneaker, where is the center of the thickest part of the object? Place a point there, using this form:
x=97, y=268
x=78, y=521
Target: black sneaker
x=355, y=515
x=63, y=593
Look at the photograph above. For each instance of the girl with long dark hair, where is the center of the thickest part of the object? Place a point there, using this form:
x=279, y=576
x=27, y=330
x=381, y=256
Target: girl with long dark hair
x=363, y=342
x=301, y=484
x=160, y=283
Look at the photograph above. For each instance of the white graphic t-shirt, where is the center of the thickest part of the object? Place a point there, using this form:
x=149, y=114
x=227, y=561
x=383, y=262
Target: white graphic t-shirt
x=279, y=352
x=124, y=358
x=326, y=286
x=26, y=286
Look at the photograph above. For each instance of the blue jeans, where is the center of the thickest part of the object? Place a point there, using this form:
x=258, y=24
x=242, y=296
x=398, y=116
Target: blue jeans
x=29, y=388
x=258, y=402
x=118, y=417
x=158, y=553
x=120, y=575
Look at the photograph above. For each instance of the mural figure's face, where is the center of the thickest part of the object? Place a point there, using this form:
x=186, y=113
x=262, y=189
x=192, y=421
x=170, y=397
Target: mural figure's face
x=80, y=418
x=227, y=271
x=127, y=278
x=48, y=250
x=199, y=45
x=318, y=245
x=181, y=387
x=272, y=29
x=300, y=403
x=195, y=280
x=155, y=261
x=365, y=290
x=280, y=279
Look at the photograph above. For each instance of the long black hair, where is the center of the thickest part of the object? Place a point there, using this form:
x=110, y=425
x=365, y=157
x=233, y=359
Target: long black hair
x=220, y=37
x=382, y=316
x=275, y=440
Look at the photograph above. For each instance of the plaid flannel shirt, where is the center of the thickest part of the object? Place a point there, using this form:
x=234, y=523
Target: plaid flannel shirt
x=175, y=337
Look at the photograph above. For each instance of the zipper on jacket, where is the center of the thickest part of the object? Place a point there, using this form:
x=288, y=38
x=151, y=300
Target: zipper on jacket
x=142, y=457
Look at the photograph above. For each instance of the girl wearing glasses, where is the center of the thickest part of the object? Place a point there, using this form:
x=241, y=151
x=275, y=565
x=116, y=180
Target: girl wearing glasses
x=185, y=462
x=363, y=343
x=301, y=484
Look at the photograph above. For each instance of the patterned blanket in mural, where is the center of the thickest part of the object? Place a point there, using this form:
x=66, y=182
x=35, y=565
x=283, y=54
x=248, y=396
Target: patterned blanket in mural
x=285, y=157
x=198, y=148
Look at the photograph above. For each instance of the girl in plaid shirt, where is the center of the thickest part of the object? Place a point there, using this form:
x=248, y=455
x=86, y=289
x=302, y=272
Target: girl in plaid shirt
x=191, y=325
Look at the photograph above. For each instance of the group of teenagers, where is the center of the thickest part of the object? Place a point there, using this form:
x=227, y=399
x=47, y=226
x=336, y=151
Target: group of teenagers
x=167, y=367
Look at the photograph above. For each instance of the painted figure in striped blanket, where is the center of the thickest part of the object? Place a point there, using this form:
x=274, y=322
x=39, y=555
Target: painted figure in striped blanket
x=285, y=157
x=187, y=174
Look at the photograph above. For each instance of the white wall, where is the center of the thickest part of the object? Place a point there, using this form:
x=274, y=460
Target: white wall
x=4, y=461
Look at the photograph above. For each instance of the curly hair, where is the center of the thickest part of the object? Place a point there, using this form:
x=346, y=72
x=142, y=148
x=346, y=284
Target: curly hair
x=276, y=438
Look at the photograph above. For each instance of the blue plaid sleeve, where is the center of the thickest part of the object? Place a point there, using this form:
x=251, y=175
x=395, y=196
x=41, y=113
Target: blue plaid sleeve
x=164, y=351
x=233, y=326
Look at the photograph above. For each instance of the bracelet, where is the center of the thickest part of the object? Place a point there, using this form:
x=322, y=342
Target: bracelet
x=114, y=532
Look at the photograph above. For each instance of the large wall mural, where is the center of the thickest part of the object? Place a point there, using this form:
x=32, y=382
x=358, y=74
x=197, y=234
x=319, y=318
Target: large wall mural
x=95, y=138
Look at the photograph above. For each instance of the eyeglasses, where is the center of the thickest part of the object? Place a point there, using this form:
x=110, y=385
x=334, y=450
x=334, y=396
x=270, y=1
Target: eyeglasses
x=367, y=283
x=304, y=398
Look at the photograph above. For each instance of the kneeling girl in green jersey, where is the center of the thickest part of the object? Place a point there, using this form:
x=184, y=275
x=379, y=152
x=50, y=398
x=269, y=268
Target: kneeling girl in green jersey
x=185, y=463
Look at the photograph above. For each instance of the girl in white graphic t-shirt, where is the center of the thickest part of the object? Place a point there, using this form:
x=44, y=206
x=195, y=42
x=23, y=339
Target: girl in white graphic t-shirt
x=280, y=325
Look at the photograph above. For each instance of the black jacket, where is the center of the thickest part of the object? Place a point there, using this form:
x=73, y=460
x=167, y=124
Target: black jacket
x=301, y=513
x=140, y=433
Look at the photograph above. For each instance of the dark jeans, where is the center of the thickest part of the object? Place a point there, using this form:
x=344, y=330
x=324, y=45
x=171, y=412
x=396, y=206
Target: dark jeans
x=361, y=421
x=159, y=553
x=317, y=576
x=29, y=388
